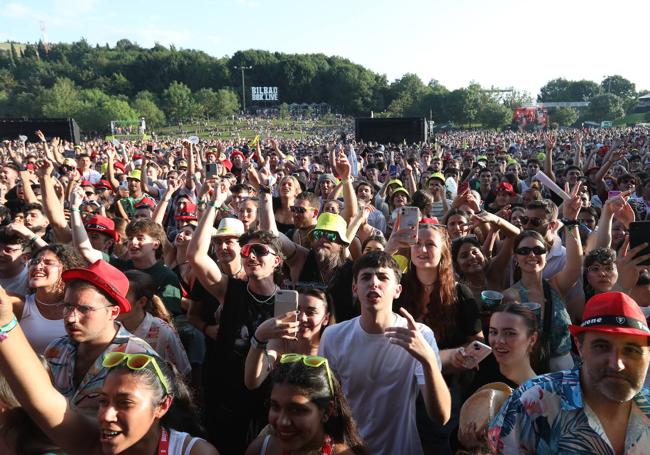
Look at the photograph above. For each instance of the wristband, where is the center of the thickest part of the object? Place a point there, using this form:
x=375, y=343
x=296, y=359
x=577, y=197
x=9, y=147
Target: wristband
x=213, y=204
x=257, y=343
x=567, y=222
x=264, y=189
x=33, y=239
x=8, y=327
x=73, y=209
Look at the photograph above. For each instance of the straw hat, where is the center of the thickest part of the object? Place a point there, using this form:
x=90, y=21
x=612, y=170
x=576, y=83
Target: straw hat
x=483, y=405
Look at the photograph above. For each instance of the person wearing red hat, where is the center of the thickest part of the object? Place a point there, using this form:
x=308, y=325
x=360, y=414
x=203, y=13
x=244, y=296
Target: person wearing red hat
x=93, y=299
x=600, y=407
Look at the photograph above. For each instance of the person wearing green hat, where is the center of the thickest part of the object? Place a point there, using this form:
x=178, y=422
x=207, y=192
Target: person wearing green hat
x=135, y=193
x=436, y=186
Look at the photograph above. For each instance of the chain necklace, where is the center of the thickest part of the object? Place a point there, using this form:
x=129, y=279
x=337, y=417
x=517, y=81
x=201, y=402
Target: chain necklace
x=264, y=301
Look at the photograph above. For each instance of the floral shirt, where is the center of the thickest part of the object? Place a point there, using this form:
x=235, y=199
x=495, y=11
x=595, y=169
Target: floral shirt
x=546, y=415
x=61, y=355
x=164, y=339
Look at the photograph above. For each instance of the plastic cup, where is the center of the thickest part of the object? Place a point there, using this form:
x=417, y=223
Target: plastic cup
x=491, y=298
x=534, y=307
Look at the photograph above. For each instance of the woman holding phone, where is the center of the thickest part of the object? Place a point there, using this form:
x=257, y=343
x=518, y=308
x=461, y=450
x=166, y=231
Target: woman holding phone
x=295, y=331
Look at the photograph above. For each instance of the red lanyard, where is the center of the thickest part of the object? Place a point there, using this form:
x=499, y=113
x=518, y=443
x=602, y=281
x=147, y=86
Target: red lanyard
x=163, y=445
x=326, y=449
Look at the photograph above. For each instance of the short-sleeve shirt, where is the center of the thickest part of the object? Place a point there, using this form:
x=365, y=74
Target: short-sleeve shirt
x=165, y=340
x=380, y=380
x=61, y=356
x=547, y=415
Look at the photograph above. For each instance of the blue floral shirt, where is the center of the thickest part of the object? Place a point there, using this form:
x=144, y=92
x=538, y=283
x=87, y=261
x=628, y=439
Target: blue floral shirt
x=546, y=415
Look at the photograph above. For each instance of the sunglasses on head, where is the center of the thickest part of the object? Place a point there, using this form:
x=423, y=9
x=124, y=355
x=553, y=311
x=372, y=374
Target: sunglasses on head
x=328, y=235
x=532, y=220
x=297, y=209
x=526, y=250
x=135, y=362
x=313, y=361
x=258, y=249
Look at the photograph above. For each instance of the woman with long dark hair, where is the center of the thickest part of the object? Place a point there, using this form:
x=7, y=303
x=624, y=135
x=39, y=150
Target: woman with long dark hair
x=308, y=413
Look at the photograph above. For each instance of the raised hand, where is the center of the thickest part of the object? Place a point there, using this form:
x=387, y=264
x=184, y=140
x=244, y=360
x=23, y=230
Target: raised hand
x=571, y=207
x=40, y=135
x=411, y=339
x=628, y=264
x=44, y=168
x=283, y=327
x=76, y=197
x=342, y=165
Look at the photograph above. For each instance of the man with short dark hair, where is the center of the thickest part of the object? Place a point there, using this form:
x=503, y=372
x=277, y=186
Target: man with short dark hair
x=14, y=277
x=384, y=360
x=600, y=407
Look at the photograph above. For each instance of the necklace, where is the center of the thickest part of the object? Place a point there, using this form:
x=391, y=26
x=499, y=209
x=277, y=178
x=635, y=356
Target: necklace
x=264, y=301
x=46, y=304
x=326, y=449
x=241, y=267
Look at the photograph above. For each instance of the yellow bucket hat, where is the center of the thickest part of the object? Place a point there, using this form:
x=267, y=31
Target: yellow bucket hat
x=333, y=223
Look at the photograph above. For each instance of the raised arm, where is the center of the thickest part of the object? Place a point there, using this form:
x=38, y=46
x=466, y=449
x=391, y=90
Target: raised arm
x=572, y=270
x=602, y=236
x=80, y=238
x=32, y=386
x=207, y=271
x=342, y=167
x=30, y=196
x=51, y=203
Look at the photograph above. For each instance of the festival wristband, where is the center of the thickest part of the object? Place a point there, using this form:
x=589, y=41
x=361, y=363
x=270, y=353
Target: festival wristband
x=8, y=327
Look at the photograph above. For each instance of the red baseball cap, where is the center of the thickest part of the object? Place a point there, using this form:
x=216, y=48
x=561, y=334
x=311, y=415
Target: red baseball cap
x=119, y=165
x=505, y=186
x=104, y=184
x=188, y=213
x=146, y=201
x=612, y=312
x=86, y=183
x=238, y=152
x=103, y=276
x=102, y=225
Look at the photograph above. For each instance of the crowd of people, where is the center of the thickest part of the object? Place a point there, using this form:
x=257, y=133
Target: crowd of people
x=483, y=293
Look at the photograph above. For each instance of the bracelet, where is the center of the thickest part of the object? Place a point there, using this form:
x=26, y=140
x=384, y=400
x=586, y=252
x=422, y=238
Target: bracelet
x=257, y=343
x=264, y=189
x=568, y=222
x=213, y=204
x=33, y=239
x=344, y=181
x=6, y=328
x=72, y=209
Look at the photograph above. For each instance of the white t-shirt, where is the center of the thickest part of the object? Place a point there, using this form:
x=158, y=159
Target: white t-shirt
x=380, y=380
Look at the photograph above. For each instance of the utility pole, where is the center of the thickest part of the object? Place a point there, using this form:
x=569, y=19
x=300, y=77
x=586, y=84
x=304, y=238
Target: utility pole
x=243, y=85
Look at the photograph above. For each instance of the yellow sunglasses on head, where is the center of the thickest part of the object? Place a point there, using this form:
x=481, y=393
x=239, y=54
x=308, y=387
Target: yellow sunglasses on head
x=314, y=361
x=135, y=362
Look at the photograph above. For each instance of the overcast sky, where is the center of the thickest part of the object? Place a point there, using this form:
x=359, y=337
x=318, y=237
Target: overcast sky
x=501, y=43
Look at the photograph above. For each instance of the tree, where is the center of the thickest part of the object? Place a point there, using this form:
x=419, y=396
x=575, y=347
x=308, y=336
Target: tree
x=178, y=102
x=97, y=109
x=619, y=86
x=606, y=107
x=564, y=116
x=283, y=111
x=564, y=90
x=494, y=115
x=62, y=100
x=145, y=105
x=206, y=101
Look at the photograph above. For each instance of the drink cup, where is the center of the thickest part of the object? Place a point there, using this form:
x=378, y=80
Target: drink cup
x=491, y=299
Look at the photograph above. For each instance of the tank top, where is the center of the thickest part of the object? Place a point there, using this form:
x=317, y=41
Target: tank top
x=39, y=330
x=176, y=440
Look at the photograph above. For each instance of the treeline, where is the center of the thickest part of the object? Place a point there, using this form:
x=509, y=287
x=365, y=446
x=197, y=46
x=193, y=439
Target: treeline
x=96, y=84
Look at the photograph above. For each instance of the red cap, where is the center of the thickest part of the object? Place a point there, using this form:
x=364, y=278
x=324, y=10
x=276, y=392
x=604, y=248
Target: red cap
x=103, y=276
x=432, y=220
x=238, y=153
x=146, y=202
x=612, y=312
x=104, y=184
x=187, y=213
x=87, y=183
x=119, y=165
x=103, y=225
x=137, y=157
x=505, y=186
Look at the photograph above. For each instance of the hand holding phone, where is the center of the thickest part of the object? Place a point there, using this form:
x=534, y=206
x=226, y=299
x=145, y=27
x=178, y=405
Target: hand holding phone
x=409, y=218
x=474, y=353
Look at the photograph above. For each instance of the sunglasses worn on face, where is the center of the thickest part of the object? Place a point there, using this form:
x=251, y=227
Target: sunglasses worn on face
x=135, y=362
x=259, y=249
x=329, y=235
x=536, y=222
x=297, y=209
x=526, y=250
x=313, y=361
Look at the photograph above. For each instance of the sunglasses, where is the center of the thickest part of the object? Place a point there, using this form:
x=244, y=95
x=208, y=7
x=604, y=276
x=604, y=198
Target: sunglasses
x=328, y=235
x=313, y=361
x=259, y=249
x=532, y=220
x=297, y=209
x=135, y=362
x=526, y=250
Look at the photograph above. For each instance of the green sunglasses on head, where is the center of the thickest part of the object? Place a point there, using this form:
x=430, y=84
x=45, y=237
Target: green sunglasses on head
x=135, y=362
x=314, y=361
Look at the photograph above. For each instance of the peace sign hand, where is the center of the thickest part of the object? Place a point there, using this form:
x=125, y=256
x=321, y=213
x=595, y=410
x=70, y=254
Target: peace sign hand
x=411, y=339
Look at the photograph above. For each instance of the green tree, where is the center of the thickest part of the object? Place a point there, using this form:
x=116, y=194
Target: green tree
x=97, y=110
x=178, y=102
x=619, y=86
x=565, y=90
x=494, y=115
x=62, y=100
x=564, y=116
x=606, y=107
x=283, y=111
x=145, y=105
x=227, y=103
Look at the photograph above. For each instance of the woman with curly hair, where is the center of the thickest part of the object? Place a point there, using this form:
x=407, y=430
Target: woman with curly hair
x=308, y=412
x=41, y=312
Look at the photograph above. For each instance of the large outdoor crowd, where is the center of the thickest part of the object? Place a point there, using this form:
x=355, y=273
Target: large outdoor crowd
x=485, y=292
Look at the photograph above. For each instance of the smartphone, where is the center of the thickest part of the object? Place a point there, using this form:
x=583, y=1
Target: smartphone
x=612, y=194
x=150, y=148
x=477, y=351
x=409, y=217
x=392, y=169
x=640, y=233
x=285, y=301
x=211, y=170
x=69, y=154
x=463, y=187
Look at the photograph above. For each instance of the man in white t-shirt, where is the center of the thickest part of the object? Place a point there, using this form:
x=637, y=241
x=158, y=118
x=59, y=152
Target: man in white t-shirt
x=13, y=266
x=383, y=360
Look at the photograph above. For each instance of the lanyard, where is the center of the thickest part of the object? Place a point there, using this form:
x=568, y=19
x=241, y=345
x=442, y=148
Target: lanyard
x=163, y=445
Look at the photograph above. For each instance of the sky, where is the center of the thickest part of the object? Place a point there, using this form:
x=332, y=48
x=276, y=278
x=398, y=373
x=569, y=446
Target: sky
x=497, y=43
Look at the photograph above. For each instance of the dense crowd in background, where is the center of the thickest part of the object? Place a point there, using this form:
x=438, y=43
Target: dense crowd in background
x=142, y=283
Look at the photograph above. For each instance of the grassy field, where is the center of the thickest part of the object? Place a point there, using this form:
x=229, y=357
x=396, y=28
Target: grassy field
x=638, y=117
